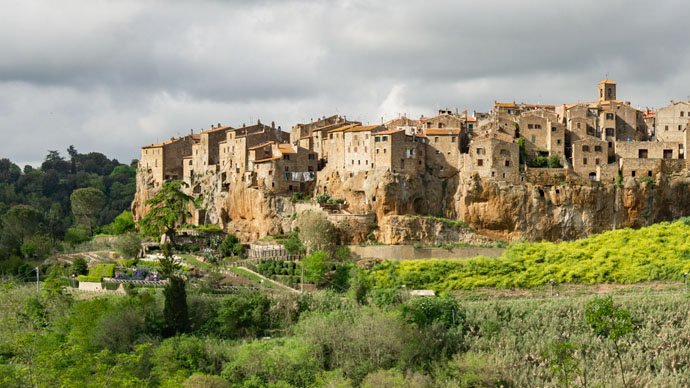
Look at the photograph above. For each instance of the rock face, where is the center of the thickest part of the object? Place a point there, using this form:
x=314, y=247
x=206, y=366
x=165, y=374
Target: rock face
x=494, y=209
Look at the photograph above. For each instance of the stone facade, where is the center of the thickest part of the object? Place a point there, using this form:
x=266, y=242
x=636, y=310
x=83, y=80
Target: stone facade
x=672, y=121
x=647, y=150
x=398, y=152
x=589, y=155
x=493, y=158
x=164, y=161
x=443, y=151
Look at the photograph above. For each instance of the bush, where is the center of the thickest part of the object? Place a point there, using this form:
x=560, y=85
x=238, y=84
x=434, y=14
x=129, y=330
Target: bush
x=129, y=245
x=123, y=223
x=75, y=236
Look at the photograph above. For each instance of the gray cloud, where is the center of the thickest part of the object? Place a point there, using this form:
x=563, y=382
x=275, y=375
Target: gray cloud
x=112, y=76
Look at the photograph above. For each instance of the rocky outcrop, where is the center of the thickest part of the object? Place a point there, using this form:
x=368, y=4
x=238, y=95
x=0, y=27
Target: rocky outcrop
x=494, y=209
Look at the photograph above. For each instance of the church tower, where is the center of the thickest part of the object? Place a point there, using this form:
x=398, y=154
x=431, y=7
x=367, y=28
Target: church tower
x=607, y=90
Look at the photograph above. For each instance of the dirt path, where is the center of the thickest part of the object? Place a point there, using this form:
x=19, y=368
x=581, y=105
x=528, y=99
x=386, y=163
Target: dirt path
x=281, y=285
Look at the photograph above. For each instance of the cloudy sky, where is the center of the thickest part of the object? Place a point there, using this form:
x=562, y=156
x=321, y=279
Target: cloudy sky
x=111, y=76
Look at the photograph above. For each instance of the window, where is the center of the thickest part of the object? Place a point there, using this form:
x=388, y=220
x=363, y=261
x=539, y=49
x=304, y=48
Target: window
x=596, y=161
x=584, y=161
x=649, y=173
x=534, y=139
x=355, y=149
x=312, y=156
x=402, y=163
x=642, y=154
x=668, y=154
x=493, y=173
x=384, y=150
x=436, y=139
x=666, y=127
x=359, y=162
x=537, y=126
x=507, y=163
x=440, y=125
x=530, y=126
x=679, y=127
x=578, y=125
x=480, y=162
x=681, y=113
x=331, y=137
x=609, y=131
x=558, y=141
x=286, y=157
x=585, y=148
x=384, y=138
x=377, y=150
x=190, y=162
x=610, y=144
x=597, y=148
x=376, y=139
x=453, y=139
x=633, y=173
x=609, y=116
x=287, y=169
x=480, y=151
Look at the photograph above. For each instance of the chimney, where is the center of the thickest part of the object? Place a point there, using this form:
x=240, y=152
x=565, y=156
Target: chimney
x=273, y=124
x=191, y=131
x=243, y=125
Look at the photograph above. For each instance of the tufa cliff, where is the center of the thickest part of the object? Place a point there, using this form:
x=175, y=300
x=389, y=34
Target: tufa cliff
x=386, y=206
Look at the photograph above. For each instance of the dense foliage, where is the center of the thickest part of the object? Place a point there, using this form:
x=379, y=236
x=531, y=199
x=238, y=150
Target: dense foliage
x=657, y=252
x=37, y=207
x=326, y=340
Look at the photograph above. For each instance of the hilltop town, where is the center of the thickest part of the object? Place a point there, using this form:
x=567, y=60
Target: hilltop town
x=426, y=166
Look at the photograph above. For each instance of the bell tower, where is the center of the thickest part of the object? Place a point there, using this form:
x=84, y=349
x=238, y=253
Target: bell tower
x=607, y=90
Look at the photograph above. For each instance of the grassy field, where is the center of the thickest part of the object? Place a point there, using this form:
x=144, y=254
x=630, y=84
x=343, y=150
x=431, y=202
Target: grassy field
x=626, y=256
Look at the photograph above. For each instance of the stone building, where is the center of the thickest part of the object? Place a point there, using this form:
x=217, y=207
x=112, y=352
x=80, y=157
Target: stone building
x=443, y=151
x=648, y=149
x=233, y=152
x=493, y=158
x=282, y=168
x=672, y=120
x=299, y=131
x=164, y=161
x=543, y=135
x=396, y=151
x=590, y=155
x=357, y=153
x=444, y=119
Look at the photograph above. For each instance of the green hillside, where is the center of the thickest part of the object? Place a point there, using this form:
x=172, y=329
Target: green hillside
x=657, y=252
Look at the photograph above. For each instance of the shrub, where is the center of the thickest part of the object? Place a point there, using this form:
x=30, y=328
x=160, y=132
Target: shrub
x=129, y=245
x=74, y=236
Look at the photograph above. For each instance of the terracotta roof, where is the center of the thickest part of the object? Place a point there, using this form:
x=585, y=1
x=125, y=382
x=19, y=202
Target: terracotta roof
x=217, y=129
x=389, y=132
x=442, y=131
x=261, y=145
x=171, y=141
x=342, y=128
x=331, y=126
x=268, y=159
x=362, y=129
x=505, y=104
x=286, y=149
x=471, y=118
x=607, y=81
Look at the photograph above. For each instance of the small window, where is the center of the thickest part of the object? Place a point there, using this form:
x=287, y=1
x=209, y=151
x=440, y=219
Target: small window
x=596, y=161
x=507, y=163
x=558, y=141
x=436, y=139
x=376, y=139
x=578, y=125
x=597, y=148
x=609, y=116
x=666, y=128
x=453, y=139
x=633, y=173
x=530, y=126
x=584, y=161
x=480, y=162
x=534, y=139
x=384, y=138
x=480, y=151
x=682, y=113
x=649, y=173
x=585, y=148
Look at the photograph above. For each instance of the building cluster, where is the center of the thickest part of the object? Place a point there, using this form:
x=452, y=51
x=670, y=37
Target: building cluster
x=586, y=141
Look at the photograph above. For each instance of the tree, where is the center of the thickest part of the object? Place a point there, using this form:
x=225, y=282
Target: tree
x=610, y=323
x=86, y=203
x=20, y=223
x=79, y=266
x=315, y=266
x=554, y=161
x=129, y=245
x=231, y=246
x=169, y=209
x=315, y=232
x=122, y=224
x=175, y=310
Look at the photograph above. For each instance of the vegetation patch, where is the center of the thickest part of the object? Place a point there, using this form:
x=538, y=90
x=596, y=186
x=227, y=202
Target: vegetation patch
x=657, y=252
